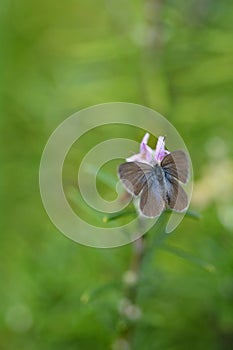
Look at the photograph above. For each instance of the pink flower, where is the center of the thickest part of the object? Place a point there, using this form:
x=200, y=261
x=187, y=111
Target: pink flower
x=160, y=151
x=147, y=155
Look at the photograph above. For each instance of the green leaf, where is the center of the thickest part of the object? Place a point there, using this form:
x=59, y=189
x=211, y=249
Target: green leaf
x=187, y=256
x=189, y=213
x=193, y=214
x=115, y=216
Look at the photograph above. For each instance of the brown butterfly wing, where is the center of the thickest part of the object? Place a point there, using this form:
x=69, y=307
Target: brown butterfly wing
x=176, y=196
x=134, y=175
x=176, y=164
x=151, y=202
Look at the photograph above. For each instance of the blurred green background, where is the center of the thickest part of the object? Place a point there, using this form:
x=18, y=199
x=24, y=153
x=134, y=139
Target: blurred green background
x=59, y=57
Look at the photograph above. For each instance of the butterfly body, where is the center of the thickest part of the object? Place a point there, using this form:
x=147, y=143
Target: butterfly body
x=157, y=184
x=158, y=180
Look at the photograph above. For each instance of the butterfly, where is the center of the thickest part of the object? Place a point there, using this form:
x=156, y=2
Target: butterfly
x=157, y=184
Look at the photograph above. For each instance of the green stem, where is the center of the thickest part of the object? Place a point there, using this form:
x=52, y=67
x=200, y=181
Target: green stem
x=142, y=250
